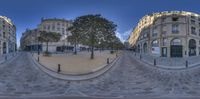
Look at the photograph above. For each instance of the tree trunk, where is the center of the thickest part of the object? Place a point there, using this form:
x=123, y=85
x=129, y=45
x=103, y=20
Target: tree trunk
x=75, y=51
x=92, y=45
x=92, y=52
x=47, y=48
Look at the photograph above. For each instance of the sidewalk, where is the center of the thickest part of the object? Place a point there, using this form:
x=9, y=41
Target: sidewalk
x=5, y=57
x=167, y=63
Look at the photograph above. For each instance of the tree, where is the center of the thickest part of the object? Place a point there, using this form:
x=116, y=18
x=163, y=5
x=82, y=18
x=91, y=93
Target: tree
x=48, y=37
x=76, y=35
x=93, y=29
x=118, y=44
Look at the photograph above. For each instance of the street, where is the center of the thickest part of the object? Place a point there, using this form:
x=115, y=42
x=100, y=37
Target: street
x=128, y=78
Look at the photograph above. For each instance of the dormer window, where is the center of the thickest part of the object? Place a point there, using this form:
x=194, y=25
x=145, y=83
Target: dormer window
x=175, y=19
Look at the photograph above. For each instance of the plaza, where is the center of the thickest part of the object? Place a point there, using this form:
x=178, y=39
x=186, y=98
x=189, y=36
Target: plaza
x=76, y=64
x=99, y=49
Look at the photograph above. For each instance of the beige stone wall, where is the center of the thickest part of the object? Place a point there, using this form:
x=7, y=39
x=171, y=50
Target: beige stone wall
x=162, y=25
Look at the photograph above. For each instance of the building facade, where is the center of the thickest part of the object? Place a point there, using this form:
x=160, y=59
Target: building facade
x=29, y=40
x=167, y=34
x=58, y=26
x=7, y=36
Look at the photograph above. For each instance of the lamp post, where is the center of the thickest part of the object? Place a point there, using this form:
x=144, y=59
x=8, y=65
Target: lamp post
x=38, y=47
x=99, y=46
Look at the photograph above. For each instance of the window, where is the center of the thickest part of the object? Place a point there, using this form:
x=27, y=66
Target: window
x=163, y=19
x=145, y=35
x=58, y=29
x=199, y=32
x=193, y=17
x=176, y=42
x=154, y=32
x=175, y=19
x=155, y=43
x=4, y=35
x=175, y=28
x=53, y=27
x=164, y=42
x=4, y=26
x=48, y=27
x=164, y=33
x=193, y=30
x=192, y=21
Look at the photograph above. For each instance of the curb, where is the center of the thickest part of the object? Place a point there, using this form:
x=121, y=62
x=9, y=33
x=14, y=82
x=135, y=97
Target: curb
x=80, y=77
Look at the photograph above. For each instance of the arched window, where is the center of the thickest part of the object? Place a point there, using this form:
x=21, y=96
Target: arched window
x=145, y=47
x=176, y=42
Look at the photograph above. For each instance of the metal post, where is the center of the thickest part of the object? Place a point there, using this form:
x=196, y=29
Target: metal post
x=59, y=68
x=38, y=58
x=6, y=58
x=154, y=62
x=108, y=61
x=186, y=64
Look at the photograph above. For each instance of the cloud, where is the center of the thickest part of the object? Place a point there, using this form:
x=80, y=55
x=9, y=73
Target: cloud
x=124, y=36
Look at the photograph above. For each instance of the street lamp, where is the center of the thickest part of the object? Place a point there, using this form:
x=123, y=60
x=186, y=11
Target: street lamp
x=38, y=47
x=99, y=46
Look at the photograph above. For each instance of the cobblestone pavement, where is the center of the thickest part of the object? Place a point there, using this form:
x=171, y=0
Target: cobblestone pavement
x=127, y=78
x=168, y=62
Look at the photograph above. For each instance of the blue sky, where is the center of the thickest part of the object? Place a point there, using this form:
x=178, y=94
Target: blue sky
x=125, y=13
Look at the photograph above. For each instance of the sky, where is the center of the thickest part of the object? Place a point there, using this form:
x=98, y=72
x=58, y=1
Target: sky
x=125, y=13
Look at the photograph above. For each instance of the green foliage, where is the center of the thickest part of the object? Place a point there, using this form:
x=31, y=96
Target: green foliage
x=93, y=29
x=48, y=37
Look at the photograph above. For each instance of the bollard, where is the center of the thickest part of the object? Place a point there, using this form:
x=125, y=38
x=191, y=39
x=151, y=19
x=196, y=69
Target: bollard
x=140, y=57
x=108, y=61
x=154, y=62
x=6, y=58
x=186, y=64
x=116, y=55
x=135, y=53
x=38, y=58
x=59, y=68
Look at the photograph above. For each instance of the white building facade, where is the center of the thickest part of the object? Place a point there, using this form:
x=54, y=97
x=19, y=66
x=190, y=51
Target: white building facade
x=58, y=26
x=7, y=36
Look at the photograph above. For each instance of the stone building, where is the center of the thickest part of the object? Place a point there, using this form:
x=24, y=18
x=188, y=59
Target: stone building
x=167, y=34
x=29, y=40
x=7, y=36
x=58, y=26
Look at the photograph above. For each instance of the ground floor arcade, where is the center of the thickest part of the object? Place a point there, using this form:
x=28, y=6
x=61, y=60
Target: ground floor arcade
x=170, y=47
